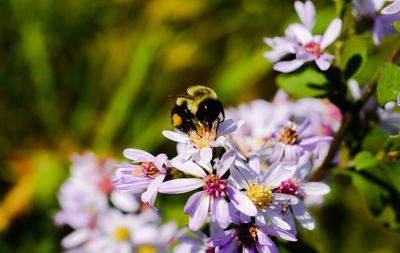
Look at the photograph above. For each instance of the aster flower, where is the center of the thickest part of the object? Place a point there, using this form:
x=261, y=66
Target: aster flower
x=366, y=11
x=302, y=189
x=203, y=140
x=259, y=186
x=146, y=172
x=311, y=48
x=282, y=46
x=119, y=233
x=80, y=203
x=215, y=192
x=292, y=142
x=249, y=236
x=392, y=8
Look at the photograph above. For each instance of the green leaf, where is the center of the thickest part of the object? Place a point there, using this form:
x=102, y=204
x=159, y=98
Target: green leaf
x=396, y=26
x=374, y=140
x=392, y=144
x=308, y=83
x=354, y=57
x=373, y=194
x=389, y=84
x=364, y=160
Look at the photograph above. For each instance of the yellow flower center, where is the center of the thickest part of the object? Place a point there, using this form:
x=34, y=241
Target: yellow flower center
x=260, y=195
x=121, y=234
x=146, y=249
x=202, y=136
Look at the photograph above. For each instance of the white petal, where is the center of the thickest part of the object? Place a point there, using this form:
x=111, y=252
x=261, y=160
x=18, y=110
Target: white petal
x=134, y=154
x=331, y=33
x=181, y=185
x=303, y=35
x=306, y=13
x=226, y=162
x=288, y=66
x=315, y=188
x=200, y=213
x=75, y=238
x=323, y=64
x=277, y=220
x=302, y=214
x=188, y=166
x=175, y=136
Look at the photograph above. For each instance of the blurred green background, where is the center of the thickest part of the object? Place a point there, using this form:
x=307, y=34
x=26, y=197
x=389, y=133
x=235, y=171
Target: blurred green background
x=97, y=75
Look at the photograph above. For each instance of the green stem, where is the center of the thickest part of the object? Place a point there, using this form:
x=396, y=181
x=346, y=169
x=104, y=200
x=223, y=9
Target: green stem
x=348, y=119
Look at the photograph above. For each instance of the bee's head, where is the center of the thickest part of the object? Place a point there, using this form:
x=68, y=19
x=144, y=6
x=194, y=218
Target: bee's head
x=209, y=111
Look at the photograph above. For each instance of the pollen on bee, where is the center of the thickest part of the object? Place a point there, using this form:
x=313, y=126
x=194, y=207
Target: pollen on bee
x=177, y=120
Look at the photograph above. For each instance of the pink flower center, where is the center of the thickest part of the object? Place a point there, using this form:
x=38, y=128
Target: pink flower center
x=313, y=48
x=210, y=250
x=289, y=187
x=214, y=186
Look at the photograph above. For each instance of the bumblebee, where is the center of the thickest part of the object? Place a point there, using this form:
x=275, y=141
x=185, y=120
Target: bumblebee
x=200, y=107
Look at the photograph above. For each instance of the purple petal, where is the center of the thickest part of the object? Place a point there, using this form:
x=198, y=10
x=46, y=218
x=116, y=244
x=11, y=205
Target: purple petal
x=306, y=13
x=277, y=153
x=392, y=8
x=221, y=238
x=309, y=143
x=331, y=33
x=238, y=178
x=219, y=207
x=254, y=163
x=262, y=237
x=277, y=173
x=135, y=154
x=192, y=202
x=398, y=100
x=270, y=247
x=279, y=233
x=288, y=66
x=180, y=185
x=199, y=215
x=315, y=188
x=220, y=141
x=188, y=166
x=302, y=214
x=226, y=162
x=241, y=202
x=249, y=249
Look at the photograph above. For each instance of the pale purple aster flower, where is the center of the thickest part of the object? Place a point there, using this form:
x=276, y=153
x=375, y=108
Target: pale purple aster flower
x=282, y=46
x=119, y=233
x=292, y=142
x=80, y=203
x=149, y=174
x=259, y=186
x=215, y=191
x=202, y=141
x=311, y=48
x=366, y=11
x=301, y=190
x=392, y=8
x=250, y=236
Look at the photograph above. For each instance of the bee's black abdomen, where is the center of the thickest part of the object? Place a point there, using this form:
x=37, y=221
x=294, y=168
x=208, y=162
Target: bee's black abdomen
x=182, y=118
x=209, y=111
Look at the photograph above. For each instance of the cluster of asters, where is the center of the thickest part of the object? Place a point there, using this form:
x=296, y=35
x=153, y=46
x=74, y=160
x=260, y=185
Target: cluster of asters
x=248, y=174
x=300, y=42
x=104, y=219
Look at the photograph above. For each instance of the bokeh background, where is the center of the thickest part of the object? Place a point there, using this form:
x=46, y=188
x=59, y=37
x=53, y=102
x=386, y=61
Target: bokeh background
x=98, y=75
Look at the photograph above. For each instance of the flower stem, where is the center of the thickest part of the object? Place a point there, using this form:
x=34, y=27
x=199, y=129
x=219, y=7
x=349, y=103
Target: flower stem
x=348, y=119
